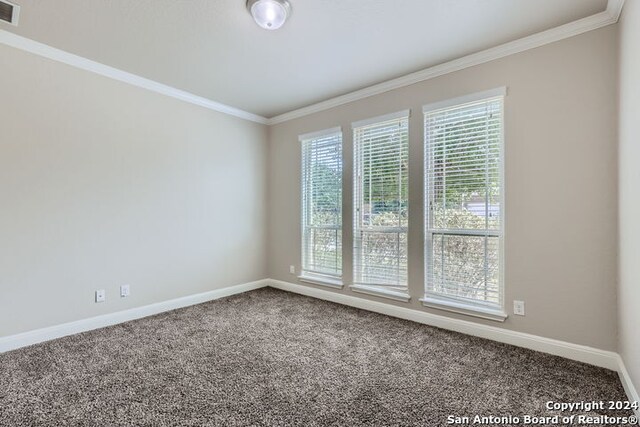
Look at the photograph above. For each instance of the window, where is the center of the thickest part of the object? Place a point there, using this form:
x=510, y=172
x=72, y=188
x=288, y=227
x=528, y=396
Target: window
x=322, y=205
x=381, y=203
x=463, y=203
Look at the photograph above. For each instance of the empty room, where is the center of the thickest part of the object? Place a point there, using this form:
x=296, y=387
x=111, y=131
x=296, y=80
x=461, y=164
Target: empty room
x=319, y=213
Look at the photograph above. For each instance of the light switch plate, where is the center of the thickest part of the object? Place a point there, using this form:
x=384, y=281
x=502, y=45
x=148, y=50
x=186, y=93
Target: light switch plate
x=100, y=295
x=518, y=308
x=125, y=290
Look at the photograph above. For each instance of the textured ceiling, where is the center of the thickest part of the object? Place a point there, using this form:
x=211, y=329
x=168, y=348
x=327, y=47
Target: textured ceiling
x=212, y=48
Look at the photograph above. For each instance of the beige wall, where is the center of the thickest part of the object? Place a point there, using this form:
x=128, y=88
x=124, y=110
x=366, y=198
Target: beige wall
x=629, y=192
x=561, y=204
x=103, y=184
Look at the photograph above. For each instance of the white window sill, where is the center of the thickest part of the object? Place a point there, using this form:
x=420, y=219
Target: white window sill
x=321, y=280
x=462, y=308
x=379, y=291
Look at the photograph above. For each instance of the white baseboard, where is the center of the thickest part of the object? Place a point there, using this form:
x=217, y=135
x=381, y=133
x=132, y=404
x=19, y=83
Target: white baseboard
x=13, y=342
x=629, y=388
x=581, y=353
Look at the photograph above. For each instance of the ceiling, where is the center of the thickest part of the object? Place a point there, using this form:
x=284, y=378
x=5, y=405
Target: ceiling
x=212, y=48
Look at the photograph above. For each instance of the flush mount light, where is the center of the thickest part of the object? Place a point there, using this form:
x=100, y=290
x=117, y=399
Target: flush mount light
x=269, y=14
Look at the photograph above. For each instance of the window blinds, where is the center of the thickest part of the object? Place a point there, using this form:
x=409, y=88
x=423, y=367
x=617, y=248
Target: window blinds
x=463, y=193
x=322, y=203
x=381, y=201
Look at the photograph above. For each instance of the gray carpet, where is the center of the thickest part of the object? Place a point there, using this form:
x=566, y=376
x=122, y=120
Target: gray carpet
x=271, y=358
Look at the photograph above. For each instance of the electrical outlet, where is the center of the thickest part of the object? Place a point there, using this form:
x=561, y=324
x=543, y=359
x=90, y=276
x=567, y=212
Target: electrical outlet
x=292, y=269
x=518, y=308
x=100, y=295
x=124, y=291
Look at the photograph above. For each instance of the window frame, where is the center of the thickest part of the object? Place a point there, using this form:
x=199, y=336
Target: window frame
x=451, y=303
x=307, y=274
x=399, y=293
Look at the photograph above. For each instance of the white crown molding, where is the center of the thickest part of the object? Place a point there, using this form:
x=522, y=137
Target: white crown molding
x=599, y=20
x=13, y=342
x=614, y=8
x=590, y=23
x=46, y=51
x=581, y=353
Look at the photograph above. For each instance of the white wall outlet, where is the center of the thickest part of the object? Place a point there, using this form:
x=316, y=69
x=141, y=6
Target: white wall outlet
x=518, y=308
x=292, y=269
x=125, y=290
x=100, y=295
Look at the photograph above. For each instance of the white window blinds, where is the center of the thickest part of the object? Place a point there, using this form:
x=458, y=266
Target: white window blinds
x=322, y=203
x=381, y=201
x=463, y=197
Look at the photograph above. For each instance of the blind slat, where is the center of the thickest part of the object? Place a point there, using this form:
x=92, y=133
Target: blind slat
x=463, y=169
x=322, y=203
x=381, y=202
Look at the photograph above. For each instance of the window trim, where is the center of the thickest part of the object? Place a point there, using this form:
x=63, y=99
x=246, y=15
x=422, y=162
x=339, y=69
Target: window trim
x=472, y=97
x=430, y=300
x=455, y=306
x=383, y=118
x=326, y=133
x=311, y=276
x=321, y=279
x=383, y=290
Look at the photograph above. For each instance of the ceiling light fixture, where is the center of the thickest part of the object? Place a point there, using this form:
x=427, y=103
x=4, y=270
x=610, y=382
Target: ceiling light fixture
x=269, y=14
